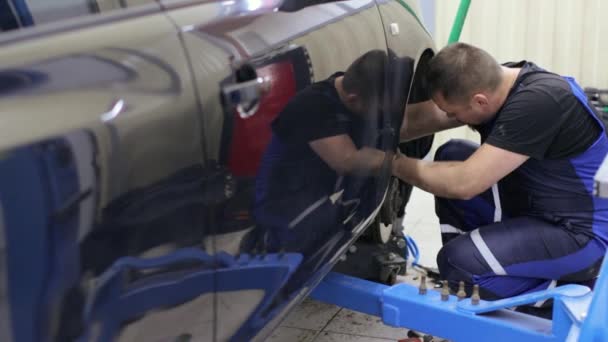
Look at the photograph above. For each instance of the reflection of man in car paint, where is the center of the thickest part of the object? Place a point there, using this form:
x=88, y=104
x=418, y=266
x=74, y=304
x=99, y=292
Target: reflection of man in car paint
x=299, y=194
x=517, y=213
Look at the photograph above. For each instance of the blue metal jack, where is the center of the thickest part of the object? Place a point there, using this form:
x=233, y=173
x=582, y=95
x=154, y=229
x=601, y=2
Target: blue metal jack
x=578, y=313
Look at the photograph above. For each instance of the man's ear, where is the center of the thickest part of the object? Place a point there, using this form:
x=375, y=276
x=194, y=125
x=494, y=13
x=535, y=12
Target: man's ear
x=480, y=99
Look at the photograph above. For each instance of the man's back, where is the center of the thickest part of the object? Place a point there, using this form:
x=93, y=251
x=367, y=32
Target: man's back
x=543, y=119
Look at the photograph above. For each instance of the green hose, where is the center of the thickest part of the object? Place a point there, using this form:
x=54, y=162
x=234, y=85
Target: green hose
x=459, y=21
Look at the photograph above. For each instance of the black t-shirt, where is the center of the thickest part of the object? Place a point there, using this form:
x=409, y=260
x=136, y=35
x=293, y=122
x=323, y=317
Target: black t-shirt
x=289, y=165
x=314, y=113
x=542, y=118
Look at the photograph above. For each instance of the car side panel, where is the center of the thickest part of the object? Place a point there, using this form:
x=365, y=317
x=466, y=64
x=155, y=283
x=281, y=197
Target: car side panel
x=411, y=41
x=103, y=180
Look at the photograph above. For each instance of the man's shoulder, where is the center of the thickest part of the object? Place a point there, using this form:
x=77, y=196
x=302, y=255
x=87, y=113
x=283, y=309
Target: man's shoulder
x=536, y=79
x=539, y=97
x=541, y=88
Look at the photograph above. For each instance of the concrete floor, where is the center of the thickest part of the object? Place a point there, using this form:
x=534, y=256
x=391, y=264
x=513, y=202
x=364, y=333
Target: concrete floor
x=320, y=322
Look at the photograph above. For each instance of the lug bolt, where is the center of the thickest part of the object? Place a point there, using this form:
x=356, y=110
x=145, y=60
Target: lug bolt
x=401, y=243
x=445, y=291
x=461, y=294
x=475, y=296
x=422, y=287
x=352, y=249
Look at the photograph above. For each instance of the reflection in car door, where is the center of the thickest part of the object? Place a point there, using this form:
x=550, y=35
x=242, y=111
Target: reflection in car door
x=249, y=61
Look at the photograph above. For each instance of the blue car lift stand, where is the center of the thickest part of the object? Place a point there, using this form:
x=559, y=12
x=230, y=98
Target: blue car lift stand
x=579, y=314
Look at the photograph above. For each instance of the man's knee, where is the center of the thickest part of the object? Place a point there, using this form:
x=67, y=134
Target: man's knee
x=455, y=149
x=457, y=260
x=450, y=263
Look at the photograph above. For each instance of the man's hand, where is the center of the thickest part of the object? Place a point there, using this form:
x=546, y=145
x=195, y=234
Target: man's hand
x=424, y=118
x=459, y=179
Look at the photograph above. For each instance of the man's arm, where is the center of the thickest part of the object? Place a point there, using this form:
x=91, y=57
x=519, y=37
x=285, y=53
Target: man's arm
x=459, y=179
x=425, y=118
x=341, y=154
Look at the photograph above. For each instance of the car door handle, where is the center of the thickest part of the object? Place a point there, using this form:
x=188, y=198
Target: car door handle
x=245, y=96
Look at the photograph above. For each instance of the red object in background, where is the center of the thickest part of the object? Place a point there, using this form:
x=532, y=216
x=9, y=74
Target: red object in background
x=251, y=136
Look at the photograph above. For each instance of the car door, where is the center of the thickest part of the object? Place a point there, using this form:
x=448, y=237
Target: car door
x=104, y=187
x=250, y=59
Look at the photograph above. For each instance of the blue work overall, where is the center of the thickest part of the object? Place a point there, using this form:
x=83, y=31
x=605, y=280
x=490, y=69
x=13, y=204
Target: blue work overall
x=539, y=225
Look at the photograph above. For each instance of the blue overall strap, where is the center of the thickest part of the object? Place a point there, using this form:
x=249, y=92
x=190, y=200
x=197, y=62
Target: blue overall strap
x=580, y=95
x=588, y=163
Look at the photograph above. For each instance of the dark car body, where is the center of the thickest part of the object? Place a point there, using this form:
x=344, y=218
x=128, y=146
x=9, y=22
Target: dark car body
x=132, y=133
